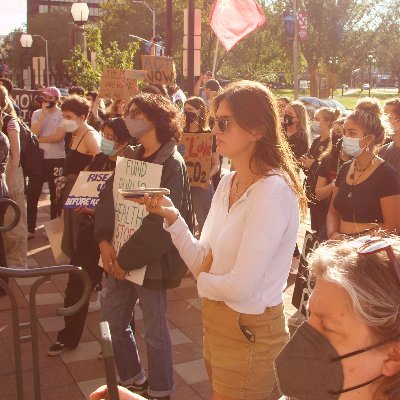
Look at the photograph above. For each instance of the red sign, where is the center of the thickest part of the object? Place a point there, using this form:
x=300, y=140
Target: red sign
x=302, y=25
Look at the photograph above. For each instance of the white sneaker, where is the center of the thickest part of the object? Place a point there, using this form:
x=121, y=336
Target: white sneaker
x=296, y=319
x=95, y=305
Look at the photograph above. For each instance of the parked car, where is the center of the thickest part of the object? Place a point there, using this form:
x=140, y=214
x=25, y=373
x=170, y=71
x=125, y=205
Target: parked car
x=365, y=86
x=315, y=102
x=63, y=91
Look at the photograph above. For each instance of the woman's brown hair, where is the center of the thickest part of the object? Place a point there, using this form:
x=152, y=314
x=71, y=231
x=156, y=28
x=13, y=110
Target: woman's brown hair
x=162, y=113
x=254, y=107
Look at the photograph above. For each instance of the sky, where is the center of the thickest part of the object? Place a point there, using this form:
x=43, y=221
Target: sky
x=12, y=15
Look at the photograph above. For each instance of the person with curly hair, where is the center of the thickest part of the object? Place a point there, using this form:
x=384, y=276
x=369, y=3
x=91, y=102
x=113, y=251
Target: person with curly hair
x=156, y=122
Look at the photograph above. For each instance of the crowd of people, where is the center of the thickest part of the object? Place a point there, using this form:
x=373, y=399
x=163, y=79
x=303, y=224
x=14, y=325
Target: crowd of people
x=237, y=236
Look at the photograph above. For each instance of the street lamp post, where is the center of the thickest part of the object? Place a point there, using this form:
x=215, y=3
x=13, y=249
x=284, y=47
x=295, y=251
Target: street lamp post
x=80, y=15
x=152, y=11
x=26, y=41
x=371, y=60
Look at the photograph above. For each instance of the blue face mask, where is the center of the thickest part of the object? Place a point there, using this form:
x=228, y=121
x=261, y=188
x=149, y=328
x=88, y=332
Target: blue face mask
x=107, y=147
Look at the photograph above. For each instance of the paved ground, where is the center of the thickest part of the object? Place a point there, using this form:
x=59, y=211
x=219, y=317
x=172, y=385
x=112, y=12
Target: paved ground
x=73, y=375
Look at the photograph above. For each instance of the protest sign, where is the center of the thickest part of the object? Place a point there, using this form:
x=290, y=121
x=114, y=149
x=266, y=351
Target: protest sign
x=160, y=70
x=131, y=174
x=24, y=99
x=86, y=189
x=196, y=149
x=119, y=83
x=55, y=230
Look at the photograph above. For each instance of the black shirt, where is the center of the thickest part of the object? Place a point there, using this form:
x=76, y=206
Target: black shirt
x=363, y=204
x=298, y=143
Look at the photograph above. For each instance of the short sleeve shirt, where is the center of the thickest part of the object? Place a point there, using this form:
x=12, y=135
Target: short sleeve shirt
x=361, y=202
x=49, y=127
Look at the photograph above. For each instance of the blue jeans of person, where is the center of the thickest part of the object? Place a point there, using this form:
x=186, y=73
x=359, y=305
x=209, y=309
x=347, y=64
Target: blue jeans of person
x=119, y=304
x=201, y=199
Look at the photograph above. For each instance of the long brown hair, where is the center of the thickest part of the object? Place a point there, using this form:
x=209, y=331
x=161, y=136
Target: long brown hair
x=254, y=107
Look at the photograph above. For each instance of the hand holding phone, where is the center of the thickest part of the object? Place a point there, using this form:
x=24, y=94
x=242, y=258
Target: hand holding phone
x=139, y=193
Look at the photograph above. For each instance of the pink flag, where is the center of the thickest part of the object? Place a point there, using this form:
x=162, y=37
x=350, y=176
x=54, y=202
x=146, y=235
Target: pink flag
x=232, y=20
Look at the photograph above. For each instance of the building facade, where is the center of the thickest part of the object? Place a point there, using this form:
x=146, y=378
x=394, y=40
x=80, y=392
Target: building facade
x=48, y=6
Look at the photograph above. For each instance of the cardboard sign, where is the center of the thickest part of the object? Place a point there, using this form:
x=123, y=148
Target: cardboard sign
x=131, y=174
x=86, y=189
x=24, y=99
x=160, y=70
x=119, y=83
x=196, y=149
x=55, y=230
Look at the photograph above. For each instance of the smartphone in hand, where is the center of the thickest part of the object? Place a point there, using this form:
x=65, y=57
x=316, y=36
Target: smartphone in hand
x=138, y=193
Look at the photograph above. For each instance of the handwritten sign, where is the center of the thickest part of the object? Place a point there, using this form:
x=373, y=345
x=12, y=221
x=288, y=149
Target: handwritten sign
x=86, y=189
x=196, y=149
x=160, y=70
x=119, y=83
x=131, y=174
x=24, y=99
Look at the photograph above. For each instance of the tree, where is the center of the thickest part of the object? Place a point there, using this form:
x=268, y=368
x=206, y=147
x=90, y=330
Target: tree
x=83, y=73
x=388, y=53
x=330, y=24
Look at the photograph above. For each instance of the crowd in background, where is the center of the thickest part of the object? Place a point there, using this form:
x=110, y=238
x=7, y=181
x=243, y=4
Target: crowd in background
x=238, y=236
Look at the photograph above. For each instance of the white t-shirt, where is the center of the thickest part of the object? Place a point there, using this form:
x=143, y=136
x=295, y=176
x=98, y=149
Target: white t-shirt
x=179, y=95
x=49, y=127
x=252, y=244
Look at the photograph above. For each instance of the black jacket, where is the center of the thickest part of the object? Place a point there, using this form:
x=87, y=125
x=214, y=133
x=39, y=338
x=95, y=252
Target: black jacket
x=151, y=245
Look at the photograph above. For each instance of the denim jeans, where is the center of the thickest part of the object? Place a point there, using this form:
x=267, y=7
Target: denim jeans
x=201, y=199
x=118, y=308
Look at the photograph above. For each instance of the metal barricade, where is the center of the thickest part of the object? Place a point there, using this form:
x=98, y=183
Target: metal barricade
x=44, y=274
x=4, y=202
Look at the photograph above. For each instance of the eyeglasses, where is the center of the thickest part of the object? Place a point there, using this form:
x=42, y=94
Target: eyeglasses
x=223, y=122
x=133, y=113
x=377, y=245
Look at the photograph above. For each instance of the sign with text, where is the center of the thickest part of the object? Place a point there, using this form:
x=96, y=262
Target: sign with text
x=86, y=189
x=159, y=69
x=24, y=99
x=119, y=83
x=131, y=174
x=196, y=149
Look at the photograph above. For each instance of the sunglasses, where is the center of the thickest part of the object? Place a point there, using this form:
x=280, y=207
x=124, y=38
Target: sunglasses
x=377, y=245
x=223, y=122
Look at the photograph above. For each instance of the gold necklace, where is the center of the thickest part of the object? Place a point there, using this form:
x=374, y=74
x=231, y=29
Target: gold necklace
x=352, y=176
x=239, y=195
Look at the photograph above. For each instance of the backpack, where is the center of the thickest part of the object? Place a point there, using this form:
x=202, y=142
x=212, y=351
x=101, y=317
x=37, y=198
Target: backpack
x=31, y=154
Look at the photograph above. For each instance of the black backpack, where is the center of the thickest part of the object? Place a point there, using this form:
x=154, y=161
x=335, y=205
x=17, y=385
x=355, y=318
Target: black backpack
x=31, y=154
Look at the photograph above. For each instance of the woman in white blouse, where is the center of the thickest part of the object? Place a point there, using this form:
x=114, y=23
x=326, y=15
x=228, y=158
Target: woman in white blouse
x=243, y=256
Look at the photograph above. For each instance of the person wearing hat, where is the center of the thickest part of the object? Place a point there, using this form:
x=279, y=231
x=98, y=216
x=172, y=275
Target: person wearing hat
x=46, y=123
x=115, y=139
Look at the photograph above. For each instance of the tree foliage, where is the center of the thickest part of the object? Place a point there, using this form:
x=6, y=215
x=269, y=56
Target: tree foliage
x=87, y=74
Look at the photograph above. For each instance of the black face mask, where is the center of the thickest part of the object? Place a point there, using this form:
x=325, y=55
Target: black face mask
x=309, y=367
x=336, y=139
x=190, y=117
x=51, y=104
x=287, y=121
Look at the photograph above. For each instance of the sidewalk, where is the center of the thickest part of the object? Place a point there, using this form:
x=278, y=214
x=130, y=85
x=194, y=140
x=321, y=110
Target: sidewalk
x=74, y=374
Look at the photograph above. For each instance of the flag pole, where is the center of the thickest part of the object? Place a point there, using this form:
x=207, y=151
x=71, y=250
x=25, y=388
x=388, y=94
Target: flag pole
x=295, y=53
x=215, y=58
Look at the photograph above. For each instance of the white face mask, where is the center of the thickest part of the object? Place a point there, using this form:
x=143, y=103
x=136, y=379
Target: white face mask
x=69, y=125
x=351, y=146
